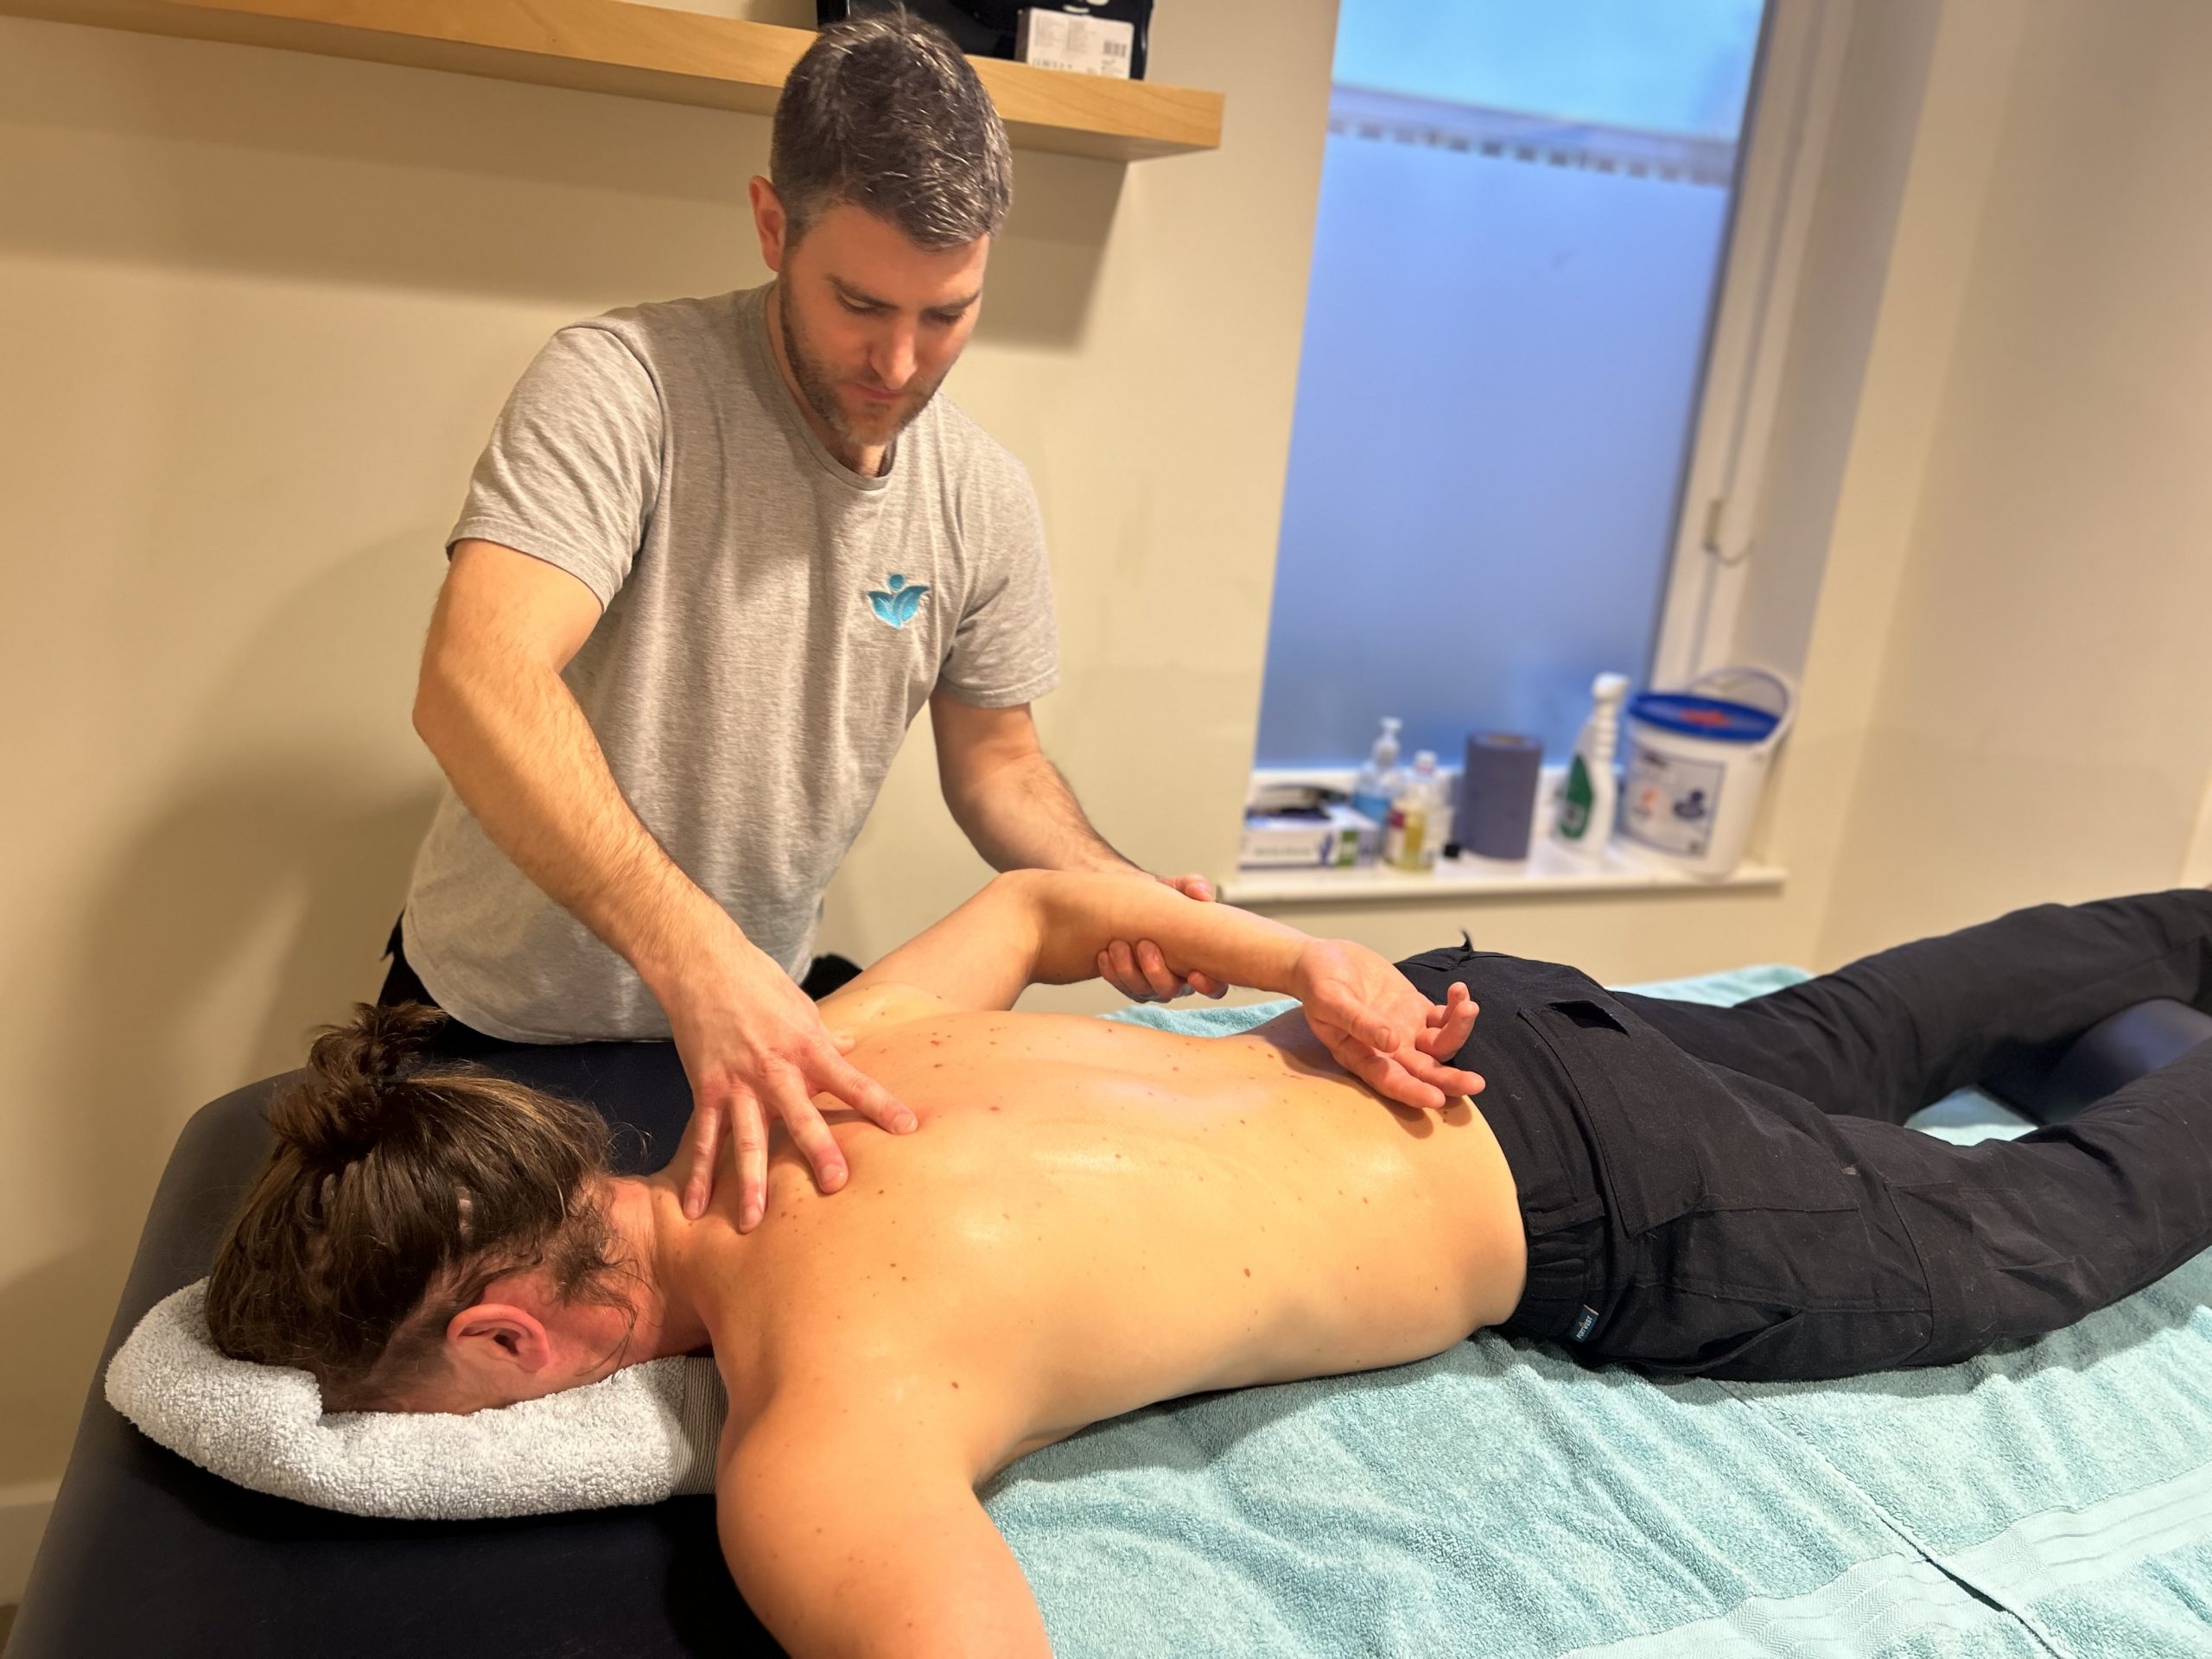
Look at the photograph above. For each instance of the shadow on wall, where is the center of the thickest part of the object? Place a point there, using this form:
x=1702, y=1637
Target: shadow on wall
x=278, y=164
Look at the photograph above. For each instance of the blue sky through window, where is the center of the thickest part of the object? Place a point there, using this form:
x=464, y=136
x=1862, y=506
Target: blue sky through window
x=1663, y=65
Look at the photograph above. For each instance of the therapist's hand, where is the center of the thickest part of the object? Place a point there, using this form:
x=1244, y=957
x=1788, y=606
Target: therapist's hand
x=1380, y=1028
x=1140, y=972
x=754, y=1044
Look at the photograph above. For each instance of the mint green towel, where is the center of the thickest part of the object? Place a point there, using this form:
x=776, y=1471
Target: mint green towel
x=1500, y=1501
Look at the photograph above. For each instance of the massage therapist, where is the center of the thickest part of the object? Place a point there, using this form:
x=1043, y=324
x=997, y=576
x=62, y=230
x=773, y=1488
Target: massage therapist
x=716, y=556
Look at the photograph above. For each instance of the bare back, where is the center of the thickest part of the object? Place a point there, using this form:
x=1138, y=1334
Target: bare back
x=1096, y=1216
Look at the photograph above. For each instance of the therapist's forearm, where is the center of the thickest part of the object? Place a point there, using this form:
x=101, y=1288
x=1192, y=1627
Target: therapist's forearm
x=1021, y=815
x=1079, y=915
x=526, y=763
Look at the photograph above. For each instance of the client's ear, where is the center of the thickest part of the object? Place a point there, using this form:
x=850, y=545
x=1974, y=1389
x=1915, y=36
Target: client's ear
x=497, y=1336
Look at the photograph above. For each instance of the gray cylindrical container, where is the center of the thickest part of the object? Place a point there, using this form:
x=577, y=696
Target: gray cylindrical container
x=1498, y=794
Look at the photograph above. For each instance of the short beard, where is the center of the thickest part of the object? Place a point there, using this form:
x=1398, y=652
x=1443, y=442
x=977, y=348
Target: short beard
x=820, y=389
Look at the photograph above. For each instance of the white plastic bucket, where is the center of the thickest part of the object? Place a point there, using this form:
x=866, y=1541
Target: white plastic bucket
x=1697, y=765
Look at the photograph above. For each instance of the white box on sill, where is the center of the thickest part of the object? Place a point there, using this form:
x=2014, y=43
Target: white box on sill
x=1282, y=842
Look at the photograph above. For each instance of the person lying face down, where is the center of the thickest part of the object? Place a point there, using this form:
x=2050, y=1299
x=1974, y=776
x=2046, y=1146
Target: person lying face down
x=1095, y=1216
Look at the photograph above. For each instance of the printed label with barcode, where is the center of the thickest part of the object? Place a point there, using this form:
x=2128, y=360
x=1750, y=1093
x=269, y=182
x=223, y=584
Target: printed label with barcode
x=1089, y=46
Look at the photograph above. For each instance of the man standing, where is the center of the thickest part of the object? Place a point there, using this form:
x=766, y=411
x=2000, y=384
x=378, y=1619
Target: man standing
x=716, y=557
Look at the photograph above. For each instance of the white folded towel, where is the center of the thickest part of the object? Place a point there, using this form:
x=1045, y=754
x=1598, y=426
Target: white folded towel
x=647, y=1433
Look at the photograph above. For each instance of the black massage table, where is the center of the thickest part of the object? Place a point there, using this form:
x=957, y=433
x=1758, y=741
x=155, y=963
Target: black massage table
x=147, y=1554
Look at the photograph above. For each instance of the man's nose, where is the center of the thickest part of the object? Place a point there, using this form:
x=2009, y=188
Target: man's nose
x=894, y=357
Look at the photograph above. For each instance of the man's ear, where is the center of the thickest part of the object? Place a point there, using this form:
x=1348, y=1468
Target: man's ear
x=770, y=221
x=499, y=1336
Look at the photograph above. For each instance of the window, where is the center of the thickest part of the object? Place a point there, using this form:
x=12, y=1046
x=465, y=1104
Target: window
x=1522, y=421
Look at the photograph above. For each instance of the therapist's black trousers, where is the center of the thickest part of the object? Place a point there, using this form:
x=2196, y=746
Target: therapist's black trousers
x=403, y=984
x=1730, y=1191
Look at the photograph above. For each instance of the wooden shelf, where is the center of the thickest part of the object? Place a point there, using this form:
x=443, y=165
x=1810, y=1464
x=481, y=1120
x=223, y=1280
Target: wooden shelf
x=638, y=51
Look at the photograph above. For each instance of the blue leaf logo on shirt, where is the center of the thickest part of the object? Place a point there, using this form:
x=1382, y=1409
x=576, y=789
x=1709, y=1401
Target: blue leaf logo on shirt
x=898, y=605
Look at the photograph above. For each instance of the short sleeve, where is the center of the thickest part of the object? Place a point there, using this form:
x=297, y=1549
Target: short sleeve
x=1006, y=650
x=572, y=472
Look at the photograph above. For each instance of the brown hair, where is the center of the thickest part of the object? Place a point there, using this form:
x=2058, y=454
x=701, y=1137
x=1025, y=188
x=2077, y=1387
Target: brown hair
x=400, y=1186
x=882, y=112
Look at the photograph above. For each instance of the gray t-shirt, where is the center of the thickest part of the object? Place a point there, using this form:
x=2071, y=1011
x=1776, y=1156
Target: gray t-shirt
x=772, y=622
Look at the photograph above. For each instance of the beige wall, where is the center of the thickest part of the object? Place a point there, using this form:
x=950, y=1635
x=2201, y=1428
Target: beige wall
x=262, y=308
x=2044, y=723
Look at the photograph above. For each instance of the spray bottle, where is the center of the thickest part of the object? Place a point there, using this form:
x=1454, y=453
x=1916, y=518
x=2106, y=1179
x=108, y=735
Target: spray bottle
x=1587, y=798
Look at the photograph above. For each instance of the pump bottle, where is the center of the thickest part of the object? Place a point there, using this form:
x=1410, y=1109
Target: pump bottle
x=1380, y=779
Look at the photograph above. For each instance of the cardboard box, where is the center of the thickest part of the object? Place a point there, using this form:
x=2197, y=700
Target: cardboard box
x=1331, y=835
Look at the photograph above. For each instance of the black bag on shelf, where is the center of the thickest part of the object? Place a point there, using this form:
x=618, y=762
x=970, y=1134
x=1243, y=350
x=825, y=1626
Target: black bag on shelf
x=987, y=28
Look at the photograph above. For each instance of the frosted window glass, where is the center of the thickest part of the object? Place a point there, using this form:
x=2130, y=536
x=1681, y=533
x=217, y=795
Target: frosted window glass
x=1678, y=65
x=1495, y=399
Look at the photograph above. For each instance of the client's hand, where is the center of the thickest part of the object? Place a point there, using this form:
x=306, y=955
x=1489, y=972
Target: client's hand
x=1140, y=973
x=750, y=1041
x=1380, y=1028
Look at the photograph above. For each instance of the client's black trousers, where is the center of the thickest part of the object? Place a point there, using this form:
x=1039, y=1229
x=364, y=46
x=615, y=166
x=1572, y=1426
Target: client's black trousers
x=1730, y=1191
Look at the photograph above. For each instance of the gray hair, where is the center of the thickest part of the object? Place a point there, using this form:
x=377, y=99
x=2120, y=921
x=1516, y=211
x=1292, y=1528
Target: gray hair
x=883, y=112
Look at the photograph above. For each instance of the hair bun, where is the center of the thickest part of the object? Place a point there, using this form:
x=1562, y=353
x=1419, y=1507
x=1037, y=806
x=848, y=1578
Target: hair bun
x=342, y=1107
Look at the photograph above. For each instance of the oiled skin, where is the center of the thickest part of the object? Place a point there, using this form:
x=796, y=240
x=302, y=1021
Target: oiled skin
x=1094, y=1217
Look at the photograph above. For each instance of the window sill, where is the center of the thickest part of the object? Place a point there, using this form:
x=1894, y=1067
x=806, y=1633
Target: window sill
x=1549, y=869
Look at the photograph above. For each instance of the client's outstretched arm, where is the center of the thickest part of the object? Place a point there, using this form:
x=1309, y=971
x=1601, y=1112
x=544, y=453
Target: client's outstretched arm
x=1048, y=927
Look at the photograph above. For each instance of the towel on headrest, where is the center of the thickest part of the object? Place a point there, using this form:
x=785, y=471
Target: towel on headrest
x=647, y=1433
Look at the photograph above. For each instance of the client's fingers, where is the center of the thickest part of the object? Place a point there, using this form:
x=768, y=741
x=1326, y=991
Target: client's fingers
x=1343, y=1009
x=1399, y=1084
x=1379, y=1072
x=1452, y=1079
x=1449, y=1027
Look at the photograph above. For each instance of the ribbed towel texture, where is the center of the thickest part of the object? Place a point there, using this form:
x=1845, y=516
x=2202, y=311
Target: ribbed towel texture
x=646, y=1433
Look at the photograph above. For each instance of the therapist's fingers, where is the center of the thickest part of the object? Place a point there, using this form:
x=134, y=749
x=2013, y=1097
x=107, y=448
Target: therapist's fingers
x=1162, y=981
x=1118, y=968
x=786, y=1088
x=702, y=1140
x=855, y=1088
x=1207, y=985
x=749, y=1148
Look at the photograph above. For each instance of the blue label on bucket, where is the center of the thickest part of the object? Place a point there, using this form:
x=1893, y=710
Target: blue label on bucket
x=1712, y=718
